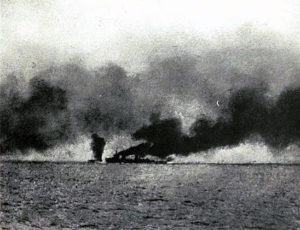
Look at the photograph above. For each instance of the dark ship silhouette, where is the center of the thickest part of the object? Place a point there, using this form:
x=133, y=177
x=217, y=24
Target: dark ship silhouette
x=138, y=152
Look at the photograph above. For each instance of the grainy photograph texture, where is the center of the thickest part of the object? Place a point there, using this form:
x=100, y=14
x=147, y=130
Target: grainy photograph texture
x=150, y=114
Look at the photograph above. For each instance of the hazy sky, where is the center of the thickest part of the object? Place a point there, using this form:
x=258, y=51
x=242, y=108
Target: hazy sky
x=35, y=33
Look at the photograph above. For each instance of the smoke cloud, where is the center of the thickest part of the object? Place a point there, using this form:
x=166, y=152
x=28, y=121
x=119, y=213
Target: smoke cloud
x=249, y=114
x=184, y=101
x=63, y=103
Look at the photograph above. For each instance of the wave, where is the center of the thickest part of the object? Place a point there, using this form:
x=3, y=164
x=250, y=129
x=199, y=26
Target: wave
x=243, y=153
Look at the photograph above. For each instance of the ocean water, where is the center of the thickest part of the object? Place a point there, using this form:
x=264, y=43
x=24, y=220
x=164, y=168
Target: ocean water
x=139, y=196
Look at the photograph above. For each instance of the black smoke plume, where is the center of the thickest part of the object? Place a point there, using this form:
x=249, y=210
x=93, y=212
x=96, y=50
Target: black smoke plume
x=39, y=121
x=283, y=126
x=165, y=135
x=63, y=103
x=249, y=113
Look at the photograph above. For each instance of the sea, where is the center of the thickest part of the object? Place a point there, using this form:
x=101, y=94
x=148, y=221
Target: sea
x=79, y=195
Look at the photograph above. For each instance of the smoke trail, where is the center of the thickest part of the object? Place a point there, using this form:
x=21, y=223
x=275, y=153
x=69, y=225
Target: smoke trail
x=249, y=113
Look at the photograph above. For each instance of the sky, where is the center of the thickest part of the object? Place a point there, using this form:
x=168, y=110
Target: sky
x=35, y=33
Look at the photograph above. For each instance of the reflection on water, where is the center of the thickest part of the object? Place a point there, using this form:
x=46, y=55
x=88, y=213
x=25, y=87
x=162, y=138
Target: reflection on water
x=128, y=196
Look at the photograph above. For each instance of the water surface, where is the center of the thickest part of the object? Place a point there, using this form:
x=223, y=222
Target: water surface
x=141, y=196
